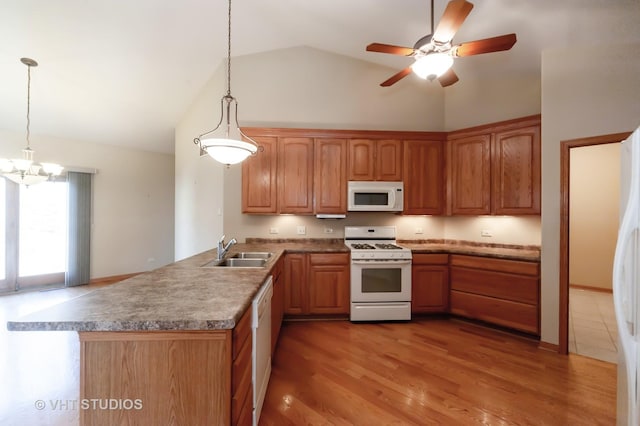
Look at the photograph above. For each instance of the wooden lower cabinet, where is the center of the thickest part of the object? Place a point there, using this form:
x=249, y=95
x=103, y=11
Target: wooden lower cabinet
x=149, y=377
x=500, y=291
x=316, y=283
x=430, y=283
x=277, y=303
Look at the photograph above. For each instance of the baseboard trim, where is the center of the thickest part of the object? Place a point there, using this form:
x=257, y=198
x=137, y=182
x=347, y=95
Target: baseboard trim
x=586, y=287
x=112, y=279
x=546, y=346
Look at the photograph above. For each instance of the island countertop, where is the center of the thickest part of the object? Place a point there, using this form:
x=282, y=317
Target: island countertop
x=186, y=295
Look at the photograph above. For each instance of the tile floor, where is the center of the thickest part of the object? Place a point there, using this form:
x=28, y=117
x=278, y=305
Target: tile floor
x=592, y=325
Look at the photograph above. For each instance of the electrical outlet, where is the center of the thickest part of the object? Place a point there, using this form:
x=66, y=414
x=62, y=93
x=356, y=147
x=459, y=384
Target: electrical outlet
x=328, y=230
x=302, y=230
x=273, y=230
x=419, y=231
x=486, y=233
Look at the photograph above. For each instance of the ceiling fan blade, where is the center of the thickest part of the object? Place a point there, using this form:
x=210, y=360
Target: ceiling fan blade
x=388, y=48
x=452, y=18
x=487, y=45
x=448, y=78
x=396, y=77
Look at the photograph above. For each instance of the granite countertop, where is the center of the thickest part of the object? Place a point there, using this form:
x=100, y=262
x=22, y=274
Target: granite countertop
x=187, y=296
x=527, y=253
x=180, y=296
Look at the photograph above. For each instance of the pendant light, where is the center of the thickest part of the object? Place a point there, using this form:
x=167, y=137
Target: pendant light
x=23, y=170
x=225, y=143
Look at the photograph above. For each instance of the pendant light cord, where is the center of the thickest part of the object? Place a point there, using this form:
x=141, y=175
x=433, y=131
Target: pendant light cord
x=28, y=101
x=229, y=52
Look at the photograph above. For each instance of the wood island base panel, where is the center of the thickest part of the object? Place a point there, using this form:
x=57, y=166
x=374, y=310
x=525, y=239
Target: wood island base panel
x=155, y=378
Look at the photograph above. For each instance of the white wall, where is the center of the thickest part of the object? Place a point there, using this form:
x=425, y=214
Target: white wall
x=133, y=200
x=199, y=181
x=586, y=91
x=594, y=211
x=472, y=102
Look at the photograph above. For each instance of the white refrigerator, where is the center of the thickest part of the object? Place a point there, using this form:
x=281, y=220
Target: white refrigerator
x=626, y=284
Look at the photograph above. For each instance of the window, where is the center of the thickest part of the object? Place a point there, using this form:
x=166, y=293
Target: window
x=33, y=234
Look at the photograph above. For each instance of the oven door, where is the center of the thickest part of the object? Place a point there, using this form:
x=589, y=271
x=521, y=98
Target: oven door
x=381, y=280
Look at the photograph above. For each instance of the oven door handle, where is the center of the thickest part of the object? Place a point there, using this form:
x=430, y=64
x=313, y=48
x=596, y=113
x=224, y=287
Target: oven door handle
x=381, y=262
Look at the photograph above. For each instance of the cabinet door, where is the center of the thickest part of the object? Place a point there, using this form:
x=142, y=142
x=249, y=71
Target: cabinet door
x=361, y=159
x=388, y=160
x=423, y=176
x=259, y=178
x=330, y=176
x=470, y=175
x=277, y=302
x=329, y=283
x=295, y=175
x=516, y=171
x=295, y=284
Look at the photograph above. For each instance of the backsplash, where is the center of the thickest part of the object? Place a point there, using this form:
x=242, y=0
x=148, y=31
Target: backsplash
x=518, y=230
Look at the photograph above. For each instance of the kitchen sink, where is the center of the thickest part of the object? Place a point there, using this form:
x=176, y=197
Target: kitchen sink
x=235, y=262
x=252, y=255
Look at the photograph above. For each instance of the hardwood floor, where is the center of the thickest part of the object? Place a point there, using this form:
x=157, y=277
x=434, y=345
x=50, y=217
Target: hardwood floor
x=430, y=372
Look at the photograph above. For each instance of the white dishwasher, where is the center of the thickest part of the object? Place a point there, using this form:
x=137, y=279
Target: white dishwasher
x=261, y=335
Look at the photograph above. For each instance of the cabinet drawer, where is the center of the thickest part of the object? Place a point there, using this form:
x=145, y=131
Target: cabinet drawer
x=430, y=259
x=515, y=315
x=518, y=288
x=491, y=264
x=241, y=332
x=242, y=408
x=329, y=258
x=241, y=371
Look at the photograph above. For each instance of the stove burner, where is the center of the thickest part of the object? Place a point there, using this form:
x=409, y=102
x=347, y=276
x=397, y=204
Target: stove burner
x=362, y=246
x=386, y=246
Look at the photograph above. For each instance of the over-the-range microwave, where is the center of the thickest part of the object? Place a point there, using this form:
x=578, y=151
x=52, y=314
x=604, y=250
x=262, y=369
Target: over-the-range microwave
x=375, y=196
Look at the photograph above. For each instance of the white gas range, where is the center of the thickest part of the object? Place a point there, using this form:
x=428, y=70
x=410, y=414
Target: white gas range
x=380, y=274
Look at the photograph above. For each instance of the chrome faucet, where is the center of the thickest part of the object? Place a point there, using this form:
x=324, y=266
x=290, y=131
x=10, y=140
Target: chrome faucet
x=222, y=249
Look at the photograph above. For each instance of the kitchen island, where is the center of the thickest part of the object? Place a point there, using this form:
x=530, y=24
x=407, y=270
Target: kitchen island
x=170, y=346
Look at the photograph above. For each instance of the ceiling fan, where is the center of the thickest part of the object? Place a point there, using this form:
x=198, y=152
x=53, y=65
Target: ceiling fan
x=434, y=53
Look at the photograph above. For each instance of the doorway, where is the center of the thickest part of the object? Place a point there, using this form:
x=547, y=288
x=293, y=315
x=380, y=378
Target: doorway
x=565, y=173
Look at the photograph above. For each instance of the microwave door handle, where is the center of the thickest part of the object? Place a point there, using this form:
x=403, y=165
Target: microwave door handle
x=392, y=198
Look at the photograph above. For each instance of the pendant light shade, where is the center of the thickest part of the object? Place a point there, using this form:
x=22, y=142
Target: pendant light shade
x=226, y=143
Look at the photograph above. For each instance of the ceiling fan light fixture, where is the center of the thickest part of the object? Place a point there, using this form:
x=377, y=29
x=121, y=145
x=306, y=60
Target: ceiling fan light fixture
x=432, y=65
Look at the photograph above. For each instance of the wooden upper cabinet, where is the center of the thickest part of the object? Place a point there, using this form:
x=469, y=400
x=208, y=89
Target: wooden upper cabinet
x=330, y=180
x=423, y=176
x=516, y=171
x=372, y=159
x=470, y=175
x=259, y=178
x=295, y=175
x=389, y=160
x=361, y=159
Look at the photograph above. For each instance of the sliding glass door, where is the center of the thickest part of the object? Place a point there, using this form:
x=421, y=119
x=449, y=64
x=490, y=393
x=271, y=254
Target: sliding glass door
x=34, y=233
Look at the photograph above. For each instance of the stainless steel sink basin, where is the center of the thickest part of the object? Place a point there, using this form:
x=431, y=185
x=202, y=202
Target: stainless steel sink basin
x=252, y=255
x=234, y=262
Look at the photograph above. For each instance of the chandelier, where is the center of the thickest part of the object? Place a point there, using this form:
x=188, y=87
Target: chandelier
x=23, y=170
x=226, y=143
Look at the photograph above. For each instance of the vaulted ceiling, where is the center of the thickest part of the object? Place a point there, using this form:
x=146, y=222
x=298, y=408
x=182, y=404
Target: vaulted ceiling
x=123, y=72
